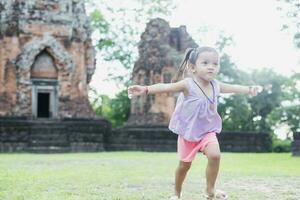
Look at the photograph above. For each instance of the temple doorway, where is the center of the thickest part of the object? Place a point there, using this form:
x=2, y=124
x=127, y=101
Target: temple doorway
x=44, y=86
x=43, y=105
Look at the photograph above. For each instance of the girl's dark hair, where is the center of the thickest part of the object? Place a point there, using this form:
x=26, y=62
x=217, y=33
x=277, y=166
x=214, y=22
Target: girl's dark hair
x=191, y=56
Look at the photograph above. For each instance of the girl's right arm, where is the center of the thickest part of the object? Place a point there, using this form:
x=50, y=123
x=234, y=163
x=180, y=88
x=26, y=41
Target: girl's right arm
x=137, y=90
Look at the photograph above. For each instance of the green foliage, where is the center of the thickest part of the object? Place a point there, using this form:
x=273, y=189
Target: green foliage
x=235, y=113
x=120, y=106
x=277, y=104
x=269, y=99
x=288, y=111
x=116, y=110
x=279, y=145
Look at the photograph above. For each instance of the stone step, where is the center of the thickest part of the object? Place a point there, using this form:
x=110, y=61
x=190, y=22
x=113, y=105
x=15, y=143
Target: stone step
x=70, y=138
x=38, y=128
x=48, y=137
x=45, y=143
x=47, y=149
x=46, y=132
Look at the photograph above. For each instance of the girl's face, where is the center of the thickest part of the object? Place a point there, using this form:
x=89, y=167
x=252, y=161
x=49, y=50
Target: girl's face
x=207, y=66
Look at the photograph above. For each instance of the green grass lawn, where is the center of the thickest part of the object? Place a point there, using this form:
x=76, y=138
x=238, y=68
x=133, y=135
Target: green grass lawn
x=140, y=175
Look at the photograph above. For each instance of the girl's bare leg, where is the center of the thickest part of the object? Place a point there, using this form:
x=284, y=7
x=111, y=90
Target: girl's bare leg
x=181, y=172
x=212, y=152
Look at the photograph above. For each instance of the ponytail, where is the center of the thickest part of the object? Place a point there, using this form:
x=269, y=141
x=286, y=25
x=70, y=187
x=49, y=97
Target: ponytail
x=183, y=65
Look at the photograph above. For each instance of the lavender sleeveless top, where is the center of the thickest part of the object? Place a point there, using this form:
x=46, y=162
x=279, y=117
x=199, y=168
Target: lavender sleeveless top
x=192, y=117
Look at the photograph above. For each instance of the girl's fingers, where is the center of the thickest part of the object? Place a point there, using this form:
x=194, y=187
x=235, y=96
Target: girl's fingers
x=255, y=90
x=259, y=88
x=133, y=90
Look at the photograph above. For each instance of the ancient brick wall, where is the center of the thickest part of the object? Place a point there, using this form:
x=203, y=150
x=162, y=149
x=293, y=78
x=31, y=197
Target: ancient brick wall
x=160, y=139
x=82, y=135
x=61, y=30
x=53, y=136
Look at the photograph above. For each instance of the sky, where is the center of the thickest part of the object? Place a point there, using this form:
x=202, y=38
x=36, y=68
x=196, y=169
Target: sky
x=255, y=27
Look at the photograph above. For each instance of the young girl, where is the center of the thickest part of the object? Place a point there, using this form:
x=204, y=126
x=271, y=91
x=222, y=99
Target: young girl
x=195, y=119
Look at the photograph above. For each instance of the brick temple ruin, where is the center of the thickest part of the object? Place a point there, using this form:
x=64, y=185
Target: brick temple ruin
x=47, y=59
x=46, y=63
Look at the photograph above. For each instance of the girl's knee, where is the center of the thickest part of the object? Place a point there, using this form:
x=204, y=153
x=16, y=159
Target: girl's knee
x=184, y=166
x=216, y=156
x=213, y=152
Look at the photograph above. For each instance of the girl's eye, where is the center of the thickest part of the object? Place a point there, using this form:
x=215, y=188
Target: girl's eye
x=205, y=63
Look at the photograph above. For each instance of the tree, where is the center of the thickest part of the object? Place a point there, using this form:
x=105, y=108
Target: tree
x=268, y=100
x=288, y=111
x=116, y=110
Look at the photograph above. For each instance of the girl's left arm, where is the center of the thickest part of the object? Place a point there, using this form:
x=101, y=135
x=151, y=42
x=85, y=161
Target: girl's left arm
x=230, y=88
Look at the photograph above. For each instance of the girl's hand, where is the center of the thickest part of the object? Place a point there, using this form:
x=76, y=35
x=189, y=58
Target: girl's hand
x=254, y=90
x=136, y=90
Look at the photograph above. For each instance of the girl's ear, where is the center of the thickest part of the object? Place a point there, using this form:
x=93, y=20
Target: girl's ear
x=191, y=67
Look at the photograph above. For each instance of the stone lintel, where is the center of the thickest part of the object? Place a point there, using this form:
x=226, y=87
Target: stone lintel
x=51, y=29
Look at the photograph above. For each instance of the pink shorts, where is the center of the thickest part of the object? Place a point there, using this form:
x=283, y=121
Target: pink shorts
x=187, y=150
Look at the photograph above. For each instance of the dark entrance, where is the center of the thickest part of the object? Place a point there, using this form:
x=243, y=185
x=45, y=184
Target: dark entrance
x=43, y=108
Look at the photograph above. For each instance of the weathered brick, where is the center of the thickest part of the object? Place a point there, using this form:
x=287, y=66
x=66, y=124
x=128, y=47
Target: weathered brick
x=58, y=29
